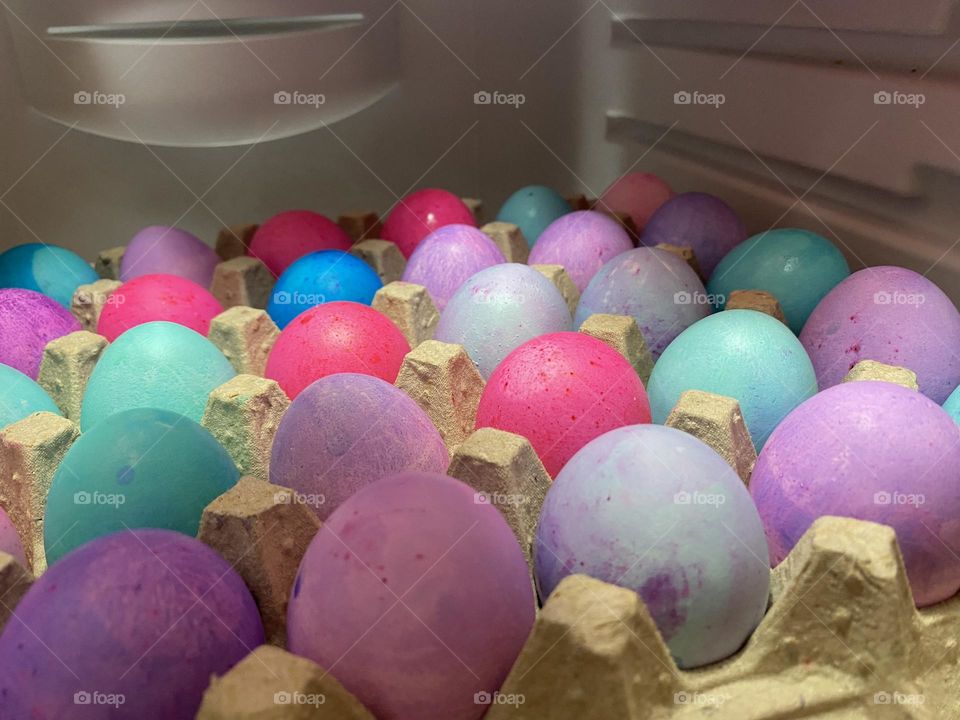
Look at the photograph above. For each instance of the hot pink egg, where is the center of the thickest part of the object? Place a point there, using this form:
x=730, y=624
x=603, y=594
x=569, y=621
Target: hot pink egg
x=292, y=234
x=638, y=194
x=422, y=212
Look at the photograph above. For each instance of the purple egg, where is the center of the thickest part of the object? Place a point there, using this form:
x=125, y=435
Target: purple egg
x=873, y=451
x=892, y=315
x=582, y=242
x=700, y=221
x=346, y=431
x=10, y=539
x=415, y=596
x=161, y=249
x=446, y=259
x=28, y=321
x=129, y=625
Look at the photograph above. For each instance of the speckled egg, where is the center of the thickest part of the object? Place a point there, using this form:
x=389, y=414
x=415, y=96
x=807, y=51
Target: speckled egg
x=466, y=605
x=532, y=209
x=582, y=242
x=321, y=277
x=797, y=267
x=873, y=451
x=378, y=431
x=560, y=391
x=10, y=539
x=657, y=511
x=638, y=194
x=336, y=337
x=157, y=365
x=289, y=235
x=499, y=309
x=891, y=315
x=20, y=396
x=743, y=354
x=700, y=221
x=164, y=250
x=47, y=269
x=420, y=213
x=28, y=321
x=130, y=625
x=656, y=288
x=149, y=298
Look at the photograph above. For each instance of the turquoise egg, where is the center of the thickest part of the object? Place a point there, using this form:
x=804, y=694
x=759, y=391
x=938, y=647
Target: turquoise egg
x=155, y=365
x=952, y=405
x=142, y=468
x=48, y=269
x=797, y=266
x=532, y=208
x=743, y=354
x=21, y=396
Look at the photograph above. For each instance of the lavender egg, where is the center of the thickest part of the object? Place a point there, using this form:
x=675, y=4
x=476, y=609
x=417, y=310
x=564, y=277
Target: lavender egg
x=447, y=257
x=160, y=249
x=658, y=289
x=346, y=431
x=657, y=511
x=892, y=315
x=129, y=625
x=28, y=321
x=872, y=451
x=582, y=242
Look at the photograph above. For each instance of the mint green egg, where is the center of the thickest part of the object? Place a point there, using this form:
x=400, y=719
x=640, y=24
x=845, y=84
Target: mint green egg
x=21, y=396
x=155, y=365
x=141, y=468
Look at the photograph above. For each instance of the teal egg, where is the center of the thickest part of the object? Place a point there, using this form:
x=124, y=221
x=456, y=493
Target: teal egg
x=743, y=354
x=142, y=468
x=155, y=365
x=21, y=396
x=48, y=269
x=798, y=267
x=952, y=405
x=532, y=208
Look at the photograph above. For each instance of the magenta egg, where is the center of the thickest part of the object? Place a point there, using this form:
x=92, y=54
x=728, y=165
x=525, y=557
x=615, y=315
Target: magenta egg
x=160, y=249
x=638, y=194
x=288, y=236
x=10, y=539
x=415, y=596
x=420, y=213
x=28, y=321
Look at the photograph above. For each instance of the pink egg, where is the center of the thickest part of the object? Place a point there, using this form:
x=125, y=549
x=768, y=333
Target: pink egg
x=168, y=250
x=420, y=213
x=10, y=539
x=157, y=297
x=637, y=194
x=28, y=321
x=290, y=235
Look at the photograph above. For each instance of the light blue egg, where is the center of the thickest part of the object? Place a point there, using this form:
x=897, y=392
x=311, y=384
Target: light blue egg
x=952, y=405
x=798, y=267
x=532, y=208
x=48, y=269
x=743, y=354
x=20, y=396
x=155, y=365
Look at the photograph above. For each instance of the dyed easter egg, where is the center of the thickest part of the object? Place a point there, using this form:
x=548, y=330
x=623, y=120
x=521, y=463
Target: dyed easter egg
x=872, y=451
x=10, y=539
x=447, y=257
x=743, y=354
x=499, y=309
x=657, y=511
x=158, y=297
x=336, y=337
x=420, y=213
x=47, y=269
x=891, y=315
x=164, y=250
x=466, y=610
x=290, y=235
x=637, y=194
x=320, y=277
x=20, y=396
x=532, y=209
x=28, y=321
x=797, y=267
x=560, y=391
x=155, y=365
x=379, y=431
x=655, y=287
x=700, y=221
x=952, y=405
x=582, y=242
x=130, y=625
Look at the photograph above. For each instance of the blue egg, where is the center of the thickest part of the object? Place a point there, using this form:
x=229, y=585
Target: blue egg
x=743, y=354
x=48, y=269
x=20, y=396
x=532, y=208
x=952, y=405
x=155, y=365
x=321, y=277
x=798, y=267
